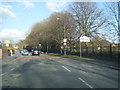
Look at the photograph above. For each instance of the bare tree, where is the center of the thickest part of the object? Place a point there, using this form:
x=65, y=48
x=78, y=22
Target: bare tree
x=50, y=32
x=62, y=28
x=112, y=12
x=88, y=17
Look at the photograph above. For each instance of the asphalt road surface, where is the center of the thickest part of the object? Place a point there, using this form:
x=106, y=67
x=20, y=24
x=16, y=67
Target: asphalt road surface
x=55, y=72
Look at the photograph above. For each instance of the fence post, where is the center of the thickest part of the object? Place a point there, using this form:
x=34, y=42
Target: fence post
x=101, y=49
x=92, y=49
x=110, y=50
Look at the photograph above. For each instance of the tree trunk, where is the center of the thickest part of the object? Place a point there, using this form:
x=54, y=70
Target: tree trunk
x=93, y=49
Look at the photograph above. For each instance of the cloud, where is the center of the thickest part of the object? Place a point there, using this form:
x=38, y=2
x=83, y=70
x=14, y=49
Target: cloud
x=4, y=11
x=28, y=4
x=12, y=34
x=5, y=6
x=56, y=5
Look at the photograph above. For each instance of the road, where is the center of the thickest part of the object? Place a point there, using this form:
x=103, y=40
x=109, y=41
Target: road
x=55, y=72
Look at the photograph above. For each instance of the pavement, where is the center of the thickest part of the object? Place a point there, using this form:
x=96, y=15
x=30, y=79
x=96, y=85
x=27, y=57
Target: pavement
x=106, y=62
x=55, y=72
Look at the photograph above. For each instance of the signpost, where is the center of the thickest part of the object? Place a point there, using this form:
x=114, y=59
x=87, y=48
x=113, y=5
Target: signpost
x=7, y=41
x=65, y=43
x=7, y=45
x=83, y=39
x=40, y=47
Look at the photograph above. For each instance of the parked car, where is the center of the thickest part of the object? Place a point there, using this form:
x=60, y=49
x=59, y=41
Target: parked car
x=20, y=51
x=35, y=52
x=24, y=52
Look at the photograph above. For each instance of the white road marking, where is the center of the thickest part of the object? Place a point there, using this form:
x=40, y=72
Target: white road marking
x=114, y=67
x=85, y=82
x=66, y=68
x=14, y=60
x=106, y=65
x=40, y=63
x=10, y=61
x=15, y=75
x=12, y=69
x=76, y=66
x=7, y=72
x=4, y=73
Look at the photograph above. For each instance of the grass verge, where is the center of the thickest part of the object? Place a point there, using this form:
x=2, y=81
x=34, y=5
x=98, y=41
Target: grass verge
x=68, y=56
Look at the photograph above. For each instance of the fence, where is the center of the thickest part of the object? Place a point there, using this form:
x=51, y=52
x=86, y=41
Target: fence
x=105, y=51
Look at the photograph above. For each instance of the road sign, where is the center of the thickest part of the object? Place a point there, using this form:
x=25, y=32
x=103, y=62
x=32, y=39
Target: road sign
x=65, y=43
x=7, y=41
x=7, y=45
x=98, y=48
x=84, y=39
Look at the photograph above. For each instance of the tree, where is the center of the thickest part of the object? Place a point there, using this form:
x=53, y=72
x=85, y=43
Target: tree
x=62, y=28
x=88, y=18
x=50, y=32
x=112, y=9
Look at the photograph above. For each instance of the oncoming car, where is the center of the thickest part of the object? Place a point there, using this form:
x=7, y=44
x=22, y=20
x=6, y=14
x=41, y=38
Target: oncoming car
x=24, y=52
x=35, y=52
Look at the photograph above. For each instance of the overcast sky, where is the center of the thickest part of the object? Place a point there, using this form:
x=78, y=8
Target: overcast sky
x=17, y=18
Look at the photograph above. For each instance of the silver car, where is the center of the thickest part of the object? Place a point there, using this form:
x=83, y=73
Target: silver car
x=24, y=52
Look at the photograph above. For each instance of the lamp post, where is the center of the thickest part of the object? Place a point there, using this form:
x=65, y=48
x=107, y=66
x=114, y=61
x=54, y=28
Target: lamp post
x=61, y=50
x=40, y=47
x=65, y=44
x=80, y=49
x=64, y=40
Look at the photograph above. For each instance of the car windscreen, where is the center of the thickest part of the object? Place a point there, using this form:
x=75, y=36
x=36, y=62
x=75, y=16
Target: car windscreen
x=25, y=51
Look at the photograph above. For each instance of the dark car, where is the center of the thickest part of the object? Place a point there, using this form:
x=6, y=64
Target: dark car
x=35, y=52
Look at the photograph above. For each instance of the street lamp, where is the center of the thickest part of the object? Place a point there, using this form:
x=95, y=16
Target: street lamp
x=58, y=18
x=65, y=44
x=64, y=40
x=61, y=50
x=40, y=47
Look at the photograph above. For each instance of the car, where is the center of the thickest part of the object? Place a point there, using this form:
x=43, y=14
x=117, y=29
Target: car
x=20, y=51
x=24, y=52
x=35, y=52
x=42, y=52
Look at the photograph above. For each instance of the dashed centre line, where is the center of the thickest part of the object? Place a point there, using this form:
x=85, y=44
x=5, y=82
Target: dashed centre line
x=66, y=68
x=12, y=69
x=85, y=82
x=4, y=73
x=7, y=72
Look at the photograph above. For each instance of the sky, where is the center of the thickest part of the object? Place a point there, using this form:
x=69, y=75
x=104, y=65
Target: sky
x=18, y=17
